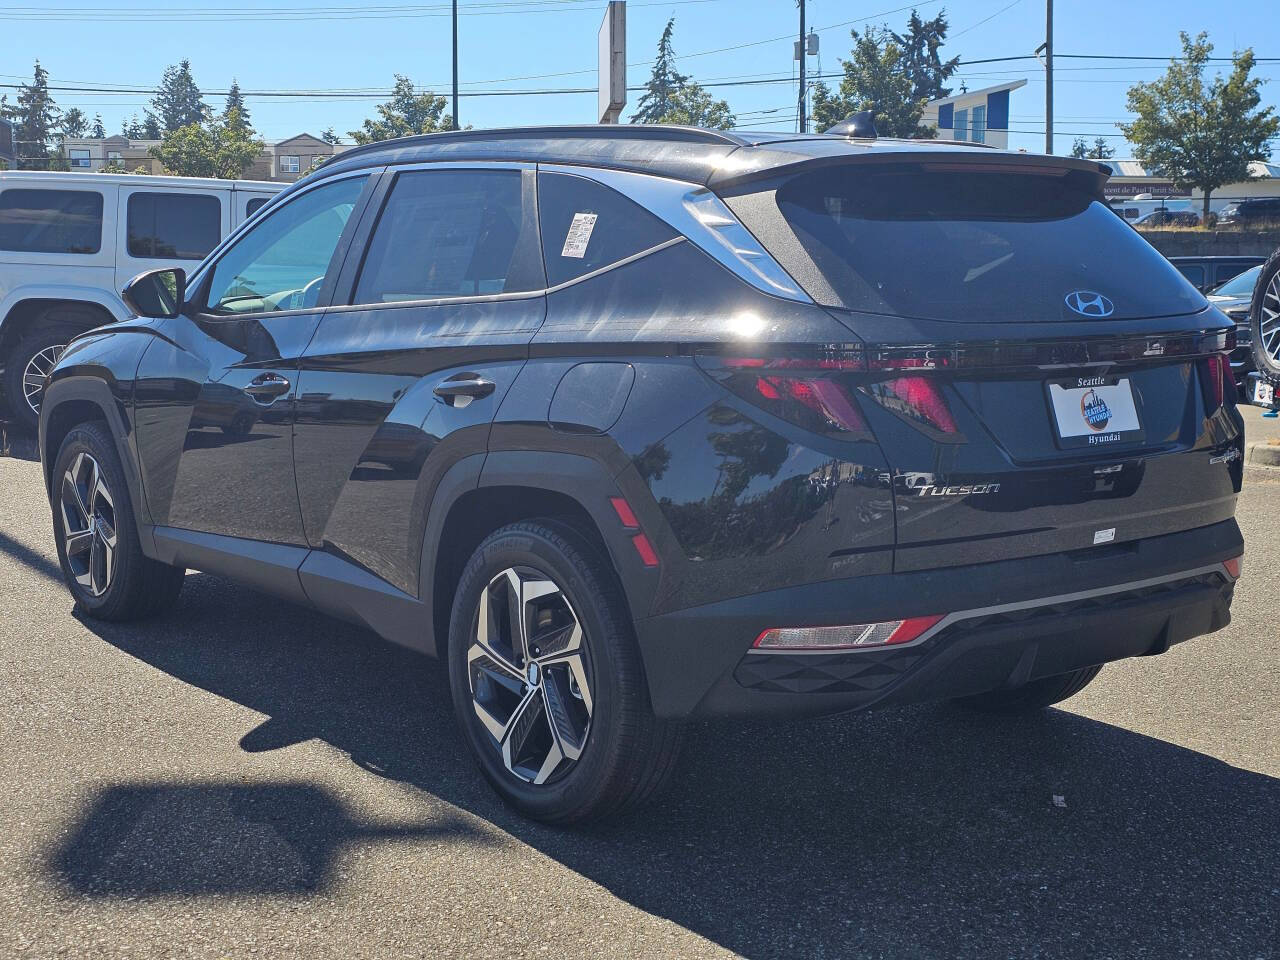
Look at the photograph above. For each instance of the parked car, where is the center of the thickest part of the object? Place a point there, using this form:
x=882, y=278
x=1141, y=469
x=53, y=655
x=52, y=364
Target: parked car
x=1264, y=326
x=1233, y=299
x=69, y=241
x=1168, y=218
x=641, y=423
x=1209, y=272
x=1258, y=213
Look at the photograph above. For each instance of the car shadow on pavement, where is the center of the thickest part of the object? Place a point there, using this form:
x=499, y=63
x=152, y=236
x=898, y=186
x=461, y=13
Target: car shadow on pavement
x=914, y=832
x=17, y=443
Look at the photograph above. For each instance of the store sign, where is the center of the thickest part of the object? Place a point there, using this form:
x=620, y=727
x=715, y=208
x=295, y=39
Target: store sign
x=1157, y=188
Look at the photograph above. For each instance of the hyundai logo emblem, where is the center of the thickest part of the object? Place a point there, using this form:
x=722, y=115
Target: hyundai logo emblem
x=1090, y=304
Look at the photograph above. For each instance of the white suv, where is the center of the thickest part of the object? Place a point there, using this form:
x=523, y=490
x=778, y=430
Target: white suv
x=70, y=241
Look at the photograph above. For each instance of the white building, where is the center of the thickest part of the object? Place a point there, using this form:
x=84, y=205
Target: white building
x=1130, y=180
x=976, y=116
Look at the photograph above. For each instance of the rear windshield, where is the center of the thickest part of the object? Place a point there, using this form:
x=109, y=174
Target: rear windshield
x=963, y=245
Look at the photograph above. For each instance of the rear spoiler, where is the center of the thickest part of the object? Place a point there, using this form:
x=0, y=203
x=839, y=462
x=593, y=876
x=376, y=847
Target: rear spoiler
x=767, y=164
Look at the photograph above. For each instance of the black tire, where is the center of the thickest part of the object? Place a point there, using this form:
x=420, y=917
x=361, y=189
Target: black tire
x=136, y=586
x=1266, y=296
x=45, y=341
x=628, y=753
x=1032, y=696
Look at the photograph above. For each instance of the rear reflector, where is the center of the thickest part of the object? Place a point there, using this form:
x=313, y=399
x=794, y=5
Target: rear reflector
x=624, y=512
x=1233, y=567
x=851, y=636
x=643, y=547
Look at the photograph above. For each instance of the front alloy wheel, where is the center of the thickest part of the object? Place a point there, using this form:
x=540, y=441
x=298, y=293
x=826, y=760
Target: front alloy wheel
x=88, y=516
x=529, y=675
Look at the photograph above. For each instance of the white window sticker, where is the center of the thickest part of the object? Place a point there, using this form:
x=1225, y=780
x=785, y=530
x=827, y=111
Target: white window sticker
x=575, y=244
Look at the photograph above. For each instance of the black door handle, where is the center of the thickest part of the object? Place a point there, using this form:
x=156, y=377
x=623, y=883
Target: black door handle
x=265, y=387
x=462, y=391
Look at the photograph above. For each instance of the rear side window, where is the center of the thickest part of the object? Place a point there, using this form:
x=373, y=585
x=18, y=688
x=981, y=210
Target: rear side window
x=451, y=233
x=173, y=226
x=586, y=226
x=51, y=221
x=973, y=245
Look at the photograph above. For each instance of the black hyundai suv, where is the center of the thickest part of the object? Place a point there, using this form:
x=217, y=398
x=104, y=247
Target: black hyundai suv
x=637, y=424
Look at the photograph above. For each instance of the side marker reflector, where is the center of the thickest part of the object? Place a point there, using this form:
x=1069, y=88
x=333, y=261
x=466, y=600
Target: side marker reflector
x=645, y=549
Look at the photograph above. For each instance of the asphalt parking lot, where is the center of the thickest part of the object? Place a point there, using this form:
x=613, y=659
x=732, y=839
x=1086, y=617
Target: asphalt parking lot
x=245, y=778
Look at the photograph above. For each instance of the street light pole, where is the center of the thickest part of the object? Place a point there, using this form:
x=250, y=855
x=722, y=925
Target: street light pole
x=455, y=65
x=1048, y=76
x=804, y=119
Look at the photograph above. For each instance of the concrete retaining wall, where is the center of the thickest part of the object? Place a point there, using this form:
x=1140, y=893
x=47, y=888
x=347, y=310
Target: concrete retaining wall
x=1224, y=243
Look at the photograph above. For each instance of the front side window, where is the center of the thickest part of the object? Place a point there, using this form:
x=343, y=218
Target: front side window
x=288, y=164
x=281, y=263
x=587, y=226
x=51, y=221
x=451, y=233
x=173, y=226
x=254, y=205
x=974, y=245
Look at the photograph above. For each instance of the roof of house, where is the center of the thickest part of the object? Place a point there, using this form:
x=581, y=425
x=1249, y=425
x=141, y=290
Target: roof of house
x=1134, y=168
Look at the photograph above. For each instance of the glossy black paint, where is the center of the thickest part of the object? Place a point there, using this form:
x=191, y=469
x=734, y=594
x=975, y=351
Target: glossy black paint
x=320, y=454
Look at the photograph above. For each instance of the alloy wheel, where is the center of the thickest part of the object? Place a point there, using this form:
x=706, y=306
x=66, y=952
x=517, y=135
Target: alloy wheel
x=1269, y=322
x=37, y=371
x=530, y=675
x=88, y=525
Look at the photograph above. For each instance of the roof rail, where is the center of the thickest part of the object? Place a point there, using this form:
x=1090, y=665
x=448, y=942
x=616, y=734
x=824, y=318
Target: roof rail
x=612, y=131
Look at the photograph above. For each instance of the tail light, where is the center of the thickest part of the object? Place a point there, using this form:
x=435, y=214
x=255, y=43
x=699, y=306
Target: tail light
x=917, y=397
x=851, y=636
x=1220, y=382
x=811, y=392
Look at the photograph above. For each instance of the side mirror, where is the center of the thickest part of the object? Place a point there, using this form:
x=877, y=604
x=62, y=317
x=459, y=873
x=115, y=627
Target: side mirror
x=156, y=293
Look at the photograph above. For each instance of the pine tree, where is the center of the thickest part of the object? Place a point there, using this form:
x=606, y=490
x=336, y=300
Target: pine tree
x=660, y=92
x=330, y=137
x=177, y=102
x=1099, y=151
x=35, y=121
x=921, y=61
x=74, y=124
x=672, y=97
x=874, y=79
x=235, y=101
x=98, y=131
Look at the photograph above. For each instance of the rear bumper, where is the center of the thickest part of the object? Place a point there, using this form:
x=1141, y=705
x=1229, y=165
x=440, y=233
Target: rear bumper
x=1007, y=623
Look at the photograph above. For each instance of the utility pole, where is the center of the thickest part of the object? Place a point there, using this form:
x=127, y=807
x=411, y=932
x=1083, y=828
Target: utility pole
x=455, y=65
x=804, y=118
x=1048, y=76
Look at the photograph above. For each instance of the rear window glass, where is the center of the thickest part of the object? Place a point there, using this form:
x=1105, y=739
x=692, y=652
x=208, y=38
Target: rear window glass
x=51, y=221
x=586, y=226
x=451, y=233
x=173, y=226
x=965, y=245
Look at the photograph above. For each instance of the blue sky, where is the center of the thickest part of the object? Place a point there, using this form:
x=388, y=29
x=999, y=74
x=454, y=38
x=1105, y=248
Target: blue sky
x=296, y=45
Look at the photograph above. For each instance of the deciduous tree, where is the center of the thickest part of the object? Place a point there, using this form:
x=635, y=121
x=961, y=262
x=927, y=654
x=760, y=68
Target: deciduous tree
x=1196, y=134
x=405, y=114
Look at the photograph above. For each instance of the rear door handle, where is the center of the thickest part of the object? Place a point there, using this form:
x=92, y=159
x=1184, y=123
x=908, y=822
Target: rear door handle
x=462, y=391
x=265, y=387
